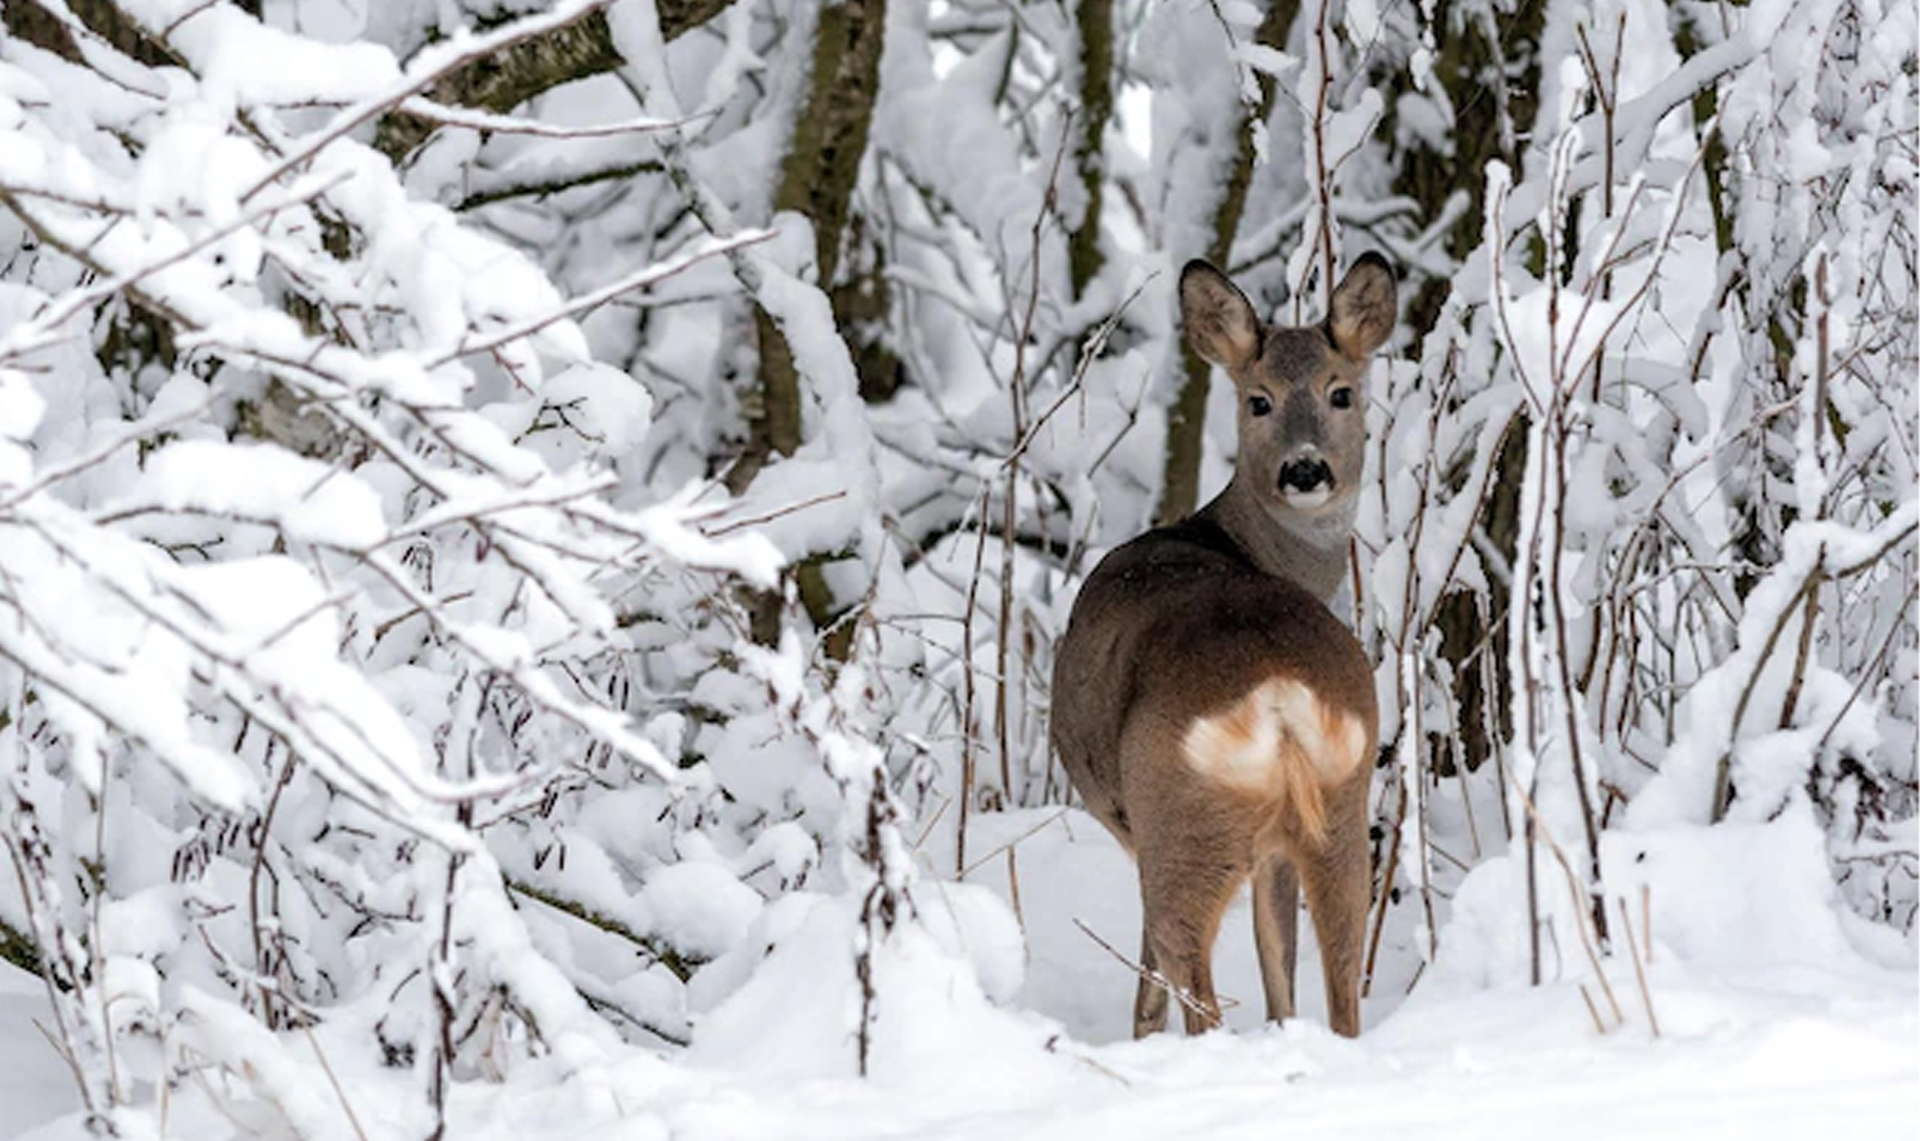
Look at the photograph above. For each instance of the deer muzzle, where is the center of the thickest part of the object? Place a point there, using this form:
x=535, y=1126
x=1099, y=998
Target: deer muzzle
x=1305, y=476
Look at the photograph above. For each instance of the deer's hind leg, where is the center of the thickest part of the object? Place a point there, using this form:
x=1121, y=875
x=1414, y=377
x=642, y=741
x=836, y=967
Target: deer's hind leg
x=1338, y=881
x=1276, y=931
x=1182, y=904
x=1194, y=852
x=1150, y=1001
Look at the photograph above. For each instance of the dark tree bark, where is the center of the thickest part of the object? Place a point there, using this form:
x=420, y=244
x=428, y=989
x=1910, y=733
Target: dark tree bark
x=1187, y=419
x=1492, y=78
x=1494, y=87
x=34, y=24
x=498, y=83
x=817, y=180
x=509, y=78
x=1095, y=18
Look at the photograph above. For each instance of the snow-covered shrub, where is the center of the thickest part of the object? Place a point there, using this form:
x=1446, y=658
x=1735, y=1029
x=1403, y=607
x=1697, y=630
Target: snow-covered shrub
x=1659, y=448
x=382, y=656
x=324, y=616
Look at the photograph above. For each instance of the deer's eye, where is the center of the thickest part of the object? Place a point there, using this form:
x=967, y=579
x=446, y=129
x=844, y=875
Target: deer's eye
x=1259, y=405
x=1341, y=398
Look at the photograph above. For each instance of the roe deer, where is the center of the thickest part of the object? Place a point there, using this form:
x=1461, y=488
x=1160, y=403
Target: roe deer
x=1211, y=711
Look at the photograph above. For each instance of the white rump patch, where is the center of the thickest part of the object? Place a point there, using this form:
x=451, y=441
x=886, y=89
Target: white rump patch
x=1242, y=746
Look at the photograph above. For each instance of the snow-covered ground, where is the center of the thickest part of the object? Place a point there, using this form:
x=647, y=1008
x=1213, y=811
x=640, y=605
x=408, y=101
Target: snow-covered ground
x=1778, y=1017
x=1811, y=1055
x=34, y=1085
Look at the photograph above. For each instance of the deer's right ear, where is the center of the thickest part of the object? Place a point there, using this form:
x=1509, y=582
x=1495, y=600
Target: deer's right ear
x=1219, y=319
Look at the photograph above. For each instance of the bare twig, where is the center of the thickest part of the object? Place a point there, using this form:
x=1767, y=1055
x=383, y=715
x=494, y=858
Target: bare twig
x=1646, y=920
x=761, y=520
x=641, y=279
x=678, y=964
x=969, y=722
x=340, y=1094
x=1010, y=844
x=1180, y=995
x=1053, y=1047
x=1577, y=895
x=424, y=108
x=1592, y=1010
x=1639, y=970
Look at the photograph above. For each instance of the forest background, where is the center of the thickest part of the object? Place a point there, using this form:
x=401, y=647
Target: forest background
x=514, y=517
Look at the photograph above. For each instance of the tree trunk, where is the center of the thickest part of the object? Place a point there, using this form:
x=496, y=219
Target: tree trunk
x=1187, y=419
x=1495, y=87
x=1095, y=18
x=817, y=180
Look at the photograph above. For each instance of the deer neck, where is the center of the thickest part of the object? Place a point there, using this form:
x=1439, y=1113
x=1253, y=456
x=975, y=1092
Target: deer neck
x=1309, y=552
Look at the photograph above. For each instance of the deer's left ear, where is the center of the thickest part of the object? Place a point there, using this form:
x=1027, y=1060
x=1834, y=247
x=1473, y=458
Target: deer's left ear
x=1364, y=308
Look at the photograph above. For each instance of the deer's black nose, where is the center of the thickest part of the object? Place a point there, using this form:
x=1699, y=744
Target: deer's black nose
x=1305, y=475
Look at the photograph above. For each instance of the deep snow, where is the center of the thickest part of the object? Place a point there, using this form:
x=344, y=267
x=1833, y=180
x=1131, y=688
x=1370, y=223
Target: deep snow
x=1783, y=1020
x=34, y=1085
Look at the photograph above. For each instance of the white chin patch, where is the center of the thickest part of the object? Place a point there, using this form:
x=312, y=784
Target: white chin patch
x=1307, y=500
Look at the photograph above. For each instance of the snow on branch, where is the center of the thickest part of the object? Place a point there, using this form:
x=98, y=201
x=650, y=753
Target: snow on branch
x=332, y=564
